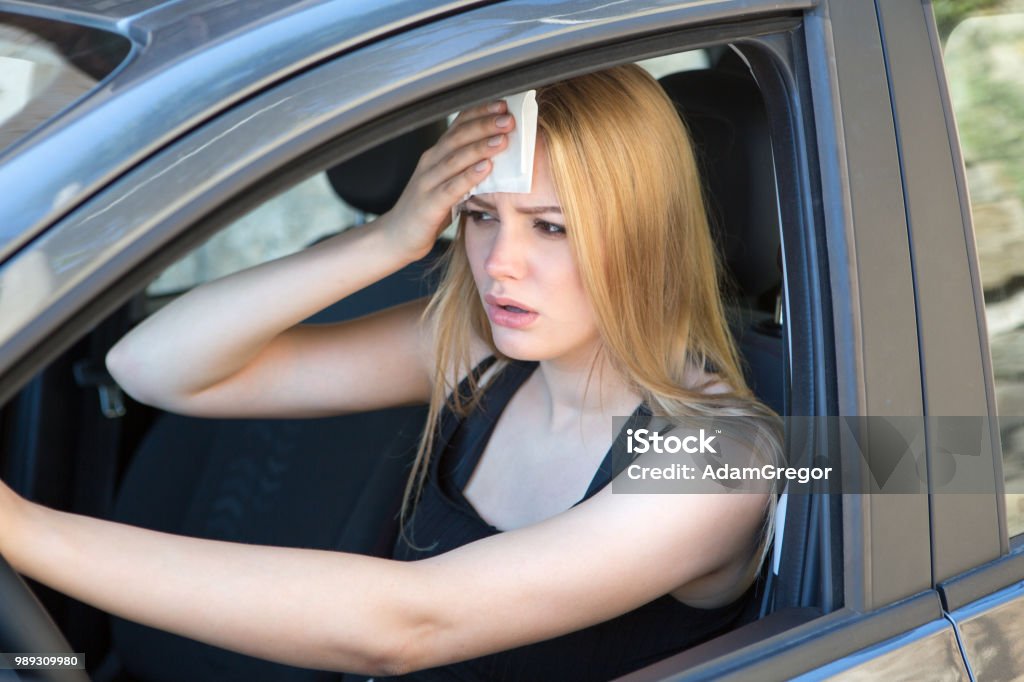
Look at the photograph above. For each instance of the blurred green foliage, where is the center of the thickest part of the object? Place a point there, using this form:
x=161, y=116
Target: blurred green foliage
x=949, y=13
x=985, y=69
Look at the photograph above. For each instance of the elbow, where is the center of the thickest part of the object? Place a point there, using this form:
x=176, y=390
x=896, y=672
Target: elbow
x=117, y=363
x=125, y=373
x=407, y=650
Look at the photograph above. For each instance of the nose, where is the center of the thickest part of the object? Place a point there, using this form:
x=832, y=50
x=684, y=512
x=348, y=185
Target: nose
x=506, y=258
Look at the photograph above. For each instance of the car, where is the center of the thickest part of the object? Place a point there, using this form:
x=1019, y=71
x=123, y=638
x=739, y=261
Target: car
x=149, y=145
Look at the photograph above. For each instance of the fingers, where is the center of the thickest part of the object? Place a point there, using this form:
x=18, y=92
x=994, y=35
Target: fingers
x=472, y=125
x=455, y=187
x=458, y=161
x=493, y=107
x=463, y=158
x=478, y=128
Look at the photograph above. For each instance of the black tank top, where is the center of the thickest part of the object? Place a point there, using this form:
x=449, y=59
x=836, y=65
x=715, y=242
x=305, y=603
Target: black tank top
x=444, y=519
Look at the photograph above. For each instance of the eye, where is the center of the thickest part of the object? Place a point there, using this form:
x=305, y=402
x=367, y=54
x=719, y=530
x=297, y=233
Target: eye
x=550, y=229
x=479, y=216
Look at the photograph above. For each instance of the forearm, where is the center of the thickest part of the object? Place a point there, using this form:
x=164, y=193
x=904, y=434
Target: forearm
x=303, y=607
x=214, y=330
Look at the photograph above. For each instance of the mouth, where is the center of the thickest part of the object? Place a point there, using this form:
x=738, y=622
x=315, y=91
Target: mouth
x=507, y=312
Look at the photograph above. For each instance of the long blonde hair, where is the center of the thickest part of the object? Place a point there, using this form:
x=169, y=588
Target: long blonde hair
x=625, y=174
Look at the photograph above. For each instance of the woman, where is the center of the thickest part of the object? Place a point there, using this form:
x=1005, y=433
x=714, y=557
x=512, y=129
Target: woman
x=592, y=296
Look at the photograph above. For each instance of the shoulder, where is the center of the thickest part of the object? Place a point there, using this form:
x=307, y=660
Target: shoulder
x=707, y=382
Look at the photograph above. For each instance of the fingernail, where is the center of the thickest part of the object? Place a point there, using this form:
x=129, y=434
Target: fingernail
x=495, y=141
x=495, y=107
x=503, y=121
x=480, y=167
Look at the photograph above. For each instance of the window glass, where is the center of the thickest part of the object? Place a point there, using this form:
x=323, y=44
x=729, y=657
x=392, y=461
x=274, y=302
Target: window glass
x=984, y=56
x=45, y=66
x=671, y=63
x=282, y=225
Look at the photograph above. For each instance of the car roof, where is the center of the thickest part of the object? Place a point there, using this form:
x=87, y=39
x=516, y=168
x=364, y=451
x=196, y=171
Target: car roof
x=190, y=59
x=71, y=10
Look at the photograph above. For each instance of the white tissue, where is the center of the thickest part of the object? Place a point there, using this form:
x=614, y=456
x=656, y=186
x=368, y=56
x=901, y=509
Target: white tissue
x=513, y=167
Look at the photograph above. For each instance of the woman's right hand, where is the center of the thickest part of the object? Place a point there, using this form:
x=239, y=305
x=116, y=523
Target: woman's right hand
x=459, y=161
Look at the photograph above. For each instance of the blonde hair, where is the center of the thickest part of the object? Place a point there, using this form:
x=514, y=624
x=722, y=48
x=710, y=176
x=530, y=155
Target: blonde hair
x=625, y=174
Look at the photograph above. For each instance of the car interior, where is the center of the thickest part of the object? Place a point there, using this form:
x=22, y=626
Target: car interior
x=72, y=440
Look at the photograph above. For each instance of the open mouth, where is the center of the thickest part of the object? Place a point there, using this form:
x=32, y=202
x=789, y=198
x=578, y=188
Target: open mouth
x=506, y=312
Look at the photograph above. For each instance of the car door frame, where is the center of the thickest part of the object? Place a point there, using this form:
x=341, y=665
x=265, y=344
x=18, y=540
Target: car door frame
x=977, y=568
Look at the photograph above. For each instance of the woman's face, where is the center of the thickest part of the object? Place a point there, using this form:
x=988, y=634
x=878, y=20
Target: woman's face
x=526, y=274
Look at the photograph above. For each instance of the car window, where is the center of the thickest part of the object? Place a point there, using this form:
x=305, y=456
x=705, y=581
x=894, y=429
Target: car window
x=309, y=211
x=984, y=56
x=282, y=225
x=45, y=66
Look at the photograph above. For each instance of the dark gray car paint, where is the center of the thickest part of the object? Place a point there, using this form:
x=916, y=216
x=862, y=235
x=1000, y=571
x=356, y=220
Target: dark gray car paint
x=880, y=306
x=965, y=527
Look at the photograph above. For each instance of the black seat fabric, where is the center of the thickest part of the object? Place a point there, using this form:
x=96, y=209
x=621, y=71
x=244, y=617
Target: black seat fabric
x=725, y=114
x=373, y=180
x=333, y=483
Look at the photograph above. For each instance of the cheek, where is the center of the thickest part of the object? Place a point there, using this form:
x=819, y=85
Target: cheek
x=565, y=282
x=475, y=254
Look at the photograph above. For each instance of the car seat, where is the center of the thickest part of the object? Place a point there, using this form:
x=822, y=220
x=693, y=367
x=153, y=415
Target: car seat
x=332, y=483
x=730, y=127
x=725, y=115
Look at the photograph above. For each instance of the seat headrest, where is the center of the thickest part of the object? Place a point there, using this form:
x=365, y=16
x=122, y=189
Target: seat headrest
x=726, y=117
x=372, y=181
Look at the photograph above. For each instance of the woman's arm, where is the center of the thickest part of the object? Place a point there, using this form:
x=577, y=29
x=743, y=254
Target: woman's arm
x=302, y=607
x=329, y=610
x=231, y=347
x=184, y=357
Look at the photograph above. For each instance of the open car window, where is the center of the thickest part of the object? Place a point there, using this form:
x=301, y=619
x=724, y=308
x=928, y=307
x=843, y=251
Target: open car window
x=268, y=481
x=290, y=221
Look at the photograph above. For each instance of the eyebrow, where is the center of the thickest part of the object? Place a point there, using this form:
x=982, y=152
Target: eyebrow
x=528, y=210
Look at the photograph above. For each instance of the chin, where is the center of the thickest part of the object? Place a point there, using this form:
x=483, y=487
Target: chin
x=527, y=347
x=521, y=348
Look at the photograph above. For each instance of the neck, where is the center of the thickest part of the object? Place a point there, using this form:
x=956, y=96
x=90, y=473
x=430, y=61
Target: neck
x=566, y=397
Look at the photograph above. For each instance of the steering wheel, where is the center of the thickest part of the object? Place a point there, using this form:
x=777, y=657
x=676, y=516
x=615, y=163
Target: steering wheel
x=25, y=626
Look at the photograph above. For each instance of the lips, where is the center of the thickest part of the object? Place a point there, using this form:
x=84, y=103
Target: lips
x=508, y=312
x=509, y=304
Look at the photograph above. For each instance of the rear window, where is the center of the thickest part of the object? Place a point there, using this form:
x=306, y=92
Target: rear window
x=47, y=65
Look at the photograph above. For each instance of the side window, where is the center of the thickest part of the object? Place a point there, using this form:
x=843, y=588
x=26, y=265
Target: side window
x=283, y=225
x=984, y=55
x=307, y=212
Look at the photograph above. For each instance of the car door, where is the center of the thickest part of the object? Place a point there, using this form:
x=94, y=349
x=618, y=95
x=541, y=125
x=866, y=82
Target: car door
x=855, y=573
x=962, y=201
